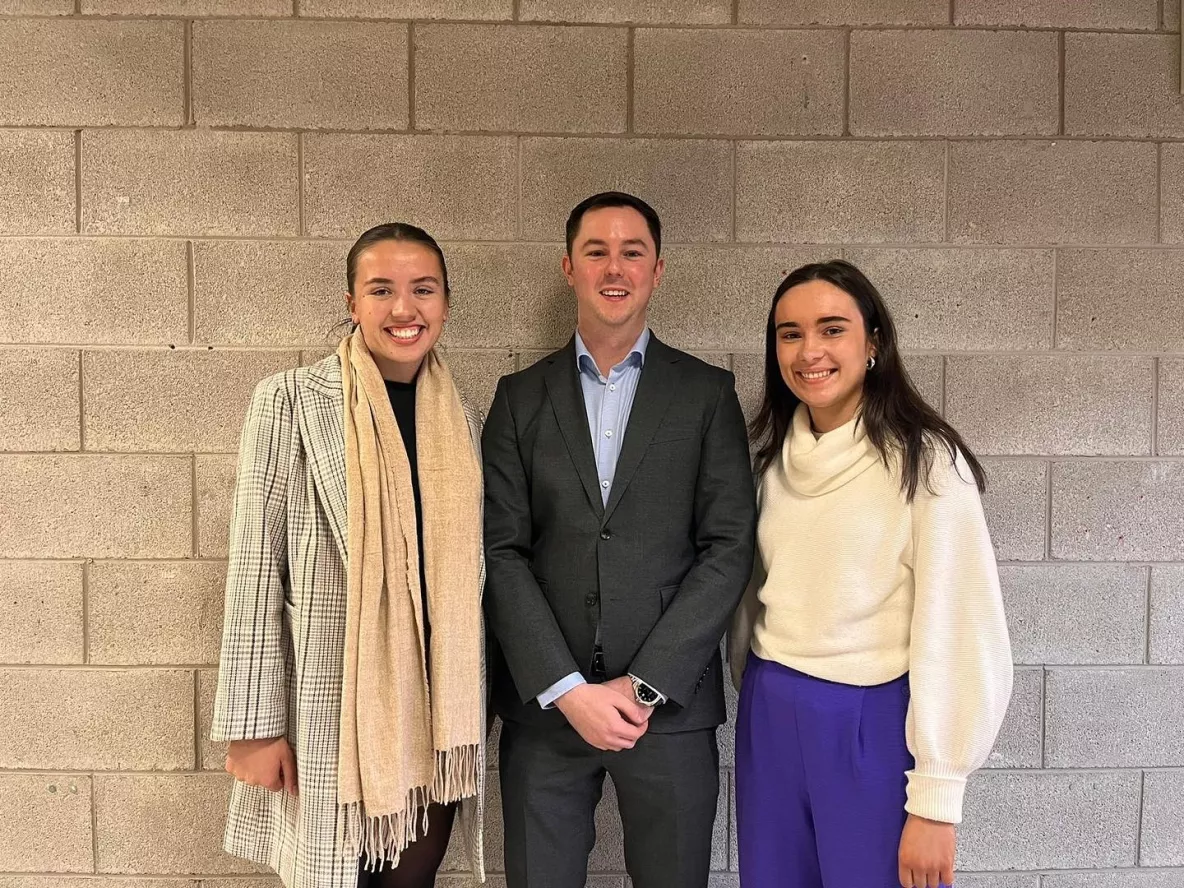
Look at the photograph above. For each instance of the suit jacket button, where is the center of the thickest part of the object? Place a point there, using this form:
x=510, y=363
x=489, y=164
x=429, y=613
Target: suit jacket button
x=606, y=535
x=592, y=600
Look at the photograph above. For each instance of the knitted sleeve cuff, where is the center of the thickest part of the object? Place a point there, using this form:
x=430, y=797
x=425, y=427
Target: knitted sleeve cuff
x=935, y=797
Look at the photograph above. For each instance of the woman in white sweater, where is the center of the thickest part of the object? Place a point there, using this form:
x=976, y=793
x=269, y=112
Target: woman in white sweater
x=872, y=642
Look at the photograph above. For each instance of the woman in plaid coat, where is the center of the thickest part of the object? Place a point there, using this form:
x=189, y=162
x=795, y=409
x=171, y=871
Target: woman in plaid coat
x=352, y=679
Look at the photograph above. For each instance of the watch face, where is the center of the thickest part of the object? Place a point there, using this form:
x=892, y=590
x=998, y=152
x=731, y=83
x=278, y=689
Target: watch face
x=645, y=694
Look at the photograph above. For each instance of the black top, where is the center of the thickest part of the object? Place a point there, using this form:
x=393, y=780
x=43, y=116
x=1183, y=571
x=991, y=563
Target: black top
x=402, y=397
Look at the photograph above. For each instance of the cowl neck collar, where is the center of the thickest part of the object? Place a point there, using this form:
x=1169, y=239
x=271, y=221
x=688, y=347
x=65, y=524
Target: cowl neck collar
x=818, y=465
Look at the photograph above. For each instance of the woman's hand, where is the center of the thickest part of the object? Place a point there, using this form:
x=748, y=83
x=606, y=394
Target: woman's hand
x=269, y=763
x=926, y=853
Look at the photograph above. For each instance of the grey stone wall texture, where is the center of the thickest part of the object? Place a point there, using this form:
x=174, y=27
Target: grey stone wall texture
x=179, y=183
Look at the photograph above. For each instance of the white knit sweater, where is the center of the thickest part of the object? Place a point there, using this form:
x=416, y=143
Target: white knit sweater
x=854, y=584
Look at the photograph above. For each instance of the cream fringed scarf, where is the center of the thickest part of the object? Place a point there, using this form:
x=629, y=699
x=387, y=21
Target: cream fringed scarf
x=401, y=746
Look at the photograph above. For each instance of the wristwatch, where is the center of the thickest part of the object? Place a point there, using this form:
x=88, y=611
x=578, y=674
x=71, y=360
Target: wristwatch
x=644, y=694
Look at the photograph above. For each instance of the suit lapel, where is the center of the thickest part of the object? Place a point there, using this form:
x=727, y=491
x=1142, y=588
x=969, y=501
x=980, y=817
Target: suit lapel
x=321, y=430
x=567, y=400
x=654, y=391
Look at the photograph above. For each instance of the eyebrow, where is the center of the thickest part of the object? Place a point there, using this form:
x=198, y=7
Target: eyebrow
x=419, y=280
x=599, y=243
x=829, y=319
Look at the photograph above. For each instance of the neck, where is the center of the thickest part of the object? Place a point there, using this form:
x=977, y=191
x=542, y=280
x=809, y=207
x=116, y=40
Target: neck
x=827, y=419
x=609, y=347
x=395, y=372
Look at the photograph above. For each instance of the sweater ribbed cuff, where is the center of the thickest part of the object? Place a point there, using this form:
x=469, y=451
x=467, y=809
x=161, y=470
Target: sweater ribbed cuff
x=935, y=796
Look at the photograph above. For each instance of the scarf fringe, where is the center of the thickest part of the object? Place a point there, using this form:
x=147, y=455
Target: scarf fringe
x=383, y=838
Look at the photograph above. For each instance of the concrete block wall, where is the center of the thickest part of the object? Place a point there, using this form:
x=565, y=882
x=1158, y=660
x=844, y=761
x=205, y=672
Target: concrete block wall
x=179, y=183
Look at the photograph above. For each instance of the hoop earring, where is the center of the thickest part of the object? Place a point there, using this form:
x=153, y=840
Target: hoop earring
x=871, y=362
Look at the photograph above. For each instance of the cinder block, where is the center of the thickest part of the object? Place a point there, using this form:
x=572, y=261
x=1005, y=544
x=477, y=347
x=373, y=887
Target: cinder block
x=90, y=882
x=738, y=82
x=718, y=298
x=1115, y=718
x=507, y=295
x=1118, y=511
x=723, y=880
x=1123, y=85
x=1162, y=838
x=928, y=375
x=36, y=7
x=1016, y=505
x=688, y=182
x=1076, y=613
x=1172, y=193
x=84, y=719
x=163, y=824
x=1146, y=318
x=640, y=12
x=1132, y=15
x=77, y=72
x=963, y=299
x=733, y=832
x=409, y=9
x=189, y=182
x=1073, y=820
x=998, y=880
x=47, y=821
x=787, y=13
x=156, y=612
x=457, y=187
x=40, y=407
x=1171, y=16
x=831, y=192
x=130, y=291
x=1130, y=878
x=212, y=754
x=296, y=291
x=190, y=8
x=215, y=495
x=1021, y=738
x=1073, y=192
x=40, y=612
x=36, y=182
x=61, y=506
x=172, y=400
x=1054, y=405
x=1167, y=615
x=304, y=75
x=749, y=370
x=522, y=79
x=953, y=83
x=476, y=373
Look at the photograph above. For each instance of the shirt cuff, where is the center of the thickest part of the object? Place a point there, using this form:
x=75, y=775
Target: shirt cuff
x=662, y=698
x=548, y=697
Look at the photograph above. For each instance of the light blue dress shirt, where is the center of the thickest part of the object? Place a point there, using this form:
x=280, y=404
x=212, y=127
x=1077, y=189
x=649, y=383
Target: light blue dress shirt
x=608, y=401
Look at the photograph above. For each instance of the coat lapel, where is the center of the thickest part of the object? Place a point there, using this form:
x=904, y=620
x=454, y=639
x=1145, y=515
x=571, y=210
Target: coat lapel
x=654, y=392
x=321, y=429
x=567, y=400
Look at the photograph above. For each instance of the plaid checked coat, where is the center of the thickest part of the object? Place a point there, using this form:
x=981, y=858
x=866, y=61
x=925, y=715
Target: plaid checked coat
x=283, y=641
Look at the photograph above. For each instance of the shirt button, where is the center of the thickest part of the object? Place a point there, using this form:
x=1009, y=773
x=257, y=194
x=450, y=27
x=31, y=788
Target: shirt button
x=608, y=433
x=604, y=484
x=612, y=386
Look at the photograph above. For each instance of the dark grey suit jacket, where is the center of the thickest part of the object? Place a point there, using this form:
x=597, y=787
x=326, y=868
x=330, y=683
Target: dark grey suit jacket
x=661, y=567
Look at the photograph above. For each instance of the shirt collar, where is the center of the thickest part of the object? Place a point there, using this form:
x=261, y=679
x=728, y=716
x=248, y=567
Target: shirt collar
x=636, y=356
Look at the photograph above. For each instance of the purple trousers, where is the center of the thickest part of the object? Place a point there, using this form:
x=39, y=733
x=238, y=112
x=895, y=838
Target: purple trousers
x=820, y=780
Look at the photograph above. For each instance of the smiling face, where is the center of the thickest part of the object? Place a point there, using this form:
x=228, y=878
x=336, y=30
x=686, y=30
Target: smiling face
x=614, y=269
x=822, y=350
x=400, y=304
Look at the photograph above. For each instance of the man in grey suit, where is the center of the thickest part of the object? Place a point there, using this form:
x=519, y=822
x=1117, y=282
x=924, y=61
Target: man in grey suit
x=619, y=522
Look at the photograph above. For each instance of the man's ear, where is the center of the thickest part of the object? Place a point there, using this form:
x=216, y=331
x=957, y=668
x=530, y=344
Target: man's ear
x=568, y=269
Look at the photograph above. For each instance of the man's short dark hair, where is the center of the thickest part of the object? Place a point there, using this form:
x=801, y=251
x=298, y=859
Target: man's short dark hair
x=614, y=199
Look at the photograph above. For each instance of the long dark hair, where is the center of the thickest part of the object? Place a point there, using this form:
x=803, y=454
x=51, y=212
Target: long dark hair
x=899, y=423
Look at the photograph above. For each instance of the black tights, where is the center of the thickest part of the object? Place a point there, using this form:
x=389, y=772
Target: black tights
x=420, y=860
